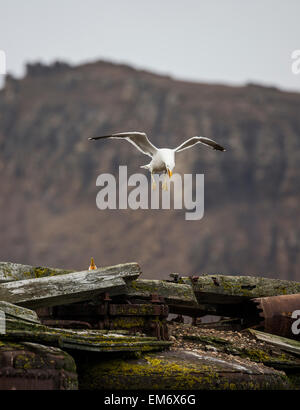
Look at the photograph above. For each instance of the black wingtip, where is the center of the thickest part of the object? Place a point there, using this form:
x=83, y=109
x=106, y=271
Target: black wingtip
x=220, y=149
x=99, y=138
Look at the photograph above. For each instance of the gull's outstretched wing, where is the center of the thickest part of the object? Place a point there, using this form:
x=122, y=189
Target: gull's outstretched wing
x=199, y=140
x=138, y=139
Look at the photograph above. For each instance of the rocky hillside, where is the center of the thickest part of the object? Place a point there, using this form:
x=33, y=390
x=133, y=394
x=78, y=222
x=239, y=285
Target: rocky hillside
x=49, y=170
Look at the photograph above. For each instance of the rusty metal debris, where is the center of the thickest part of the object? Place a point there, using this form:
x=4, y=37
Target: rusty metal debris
x=275, y=314
x=110, y=314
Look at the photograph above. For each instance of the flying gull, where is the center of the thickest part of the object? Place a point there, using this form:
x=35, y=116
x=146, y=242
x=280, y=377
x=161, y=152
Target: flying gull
x=162, y=159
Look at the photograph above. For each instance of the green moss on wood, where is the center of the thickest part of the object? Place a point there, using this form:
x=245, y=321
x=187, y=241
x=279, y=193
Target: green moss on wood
x=171, y=371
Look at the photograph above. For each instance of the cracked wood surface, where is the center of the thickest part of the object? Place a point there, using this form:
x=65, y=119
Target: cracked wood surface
x=69, y=288
x=10, y=271
x=174, y=294
x=219, y=289
x=18, y=312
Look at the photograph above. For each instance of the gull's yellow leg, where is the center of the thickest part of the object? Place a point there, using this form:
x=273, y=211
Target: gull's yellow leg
x=153, y=182
x=165, y=184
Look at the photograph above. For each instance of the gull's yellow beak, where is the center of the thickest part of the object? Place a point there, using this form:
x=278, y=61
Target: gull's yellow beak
x=169, y=172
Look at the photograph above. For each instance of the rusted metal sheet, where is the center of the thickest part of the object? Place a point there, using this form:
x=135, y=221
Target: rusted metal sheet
x=276, y=314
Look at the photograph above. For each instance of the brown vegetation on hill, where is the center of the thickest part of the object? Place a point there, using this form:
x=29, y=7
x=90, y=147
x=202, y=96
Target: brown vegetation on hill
x=49, y=170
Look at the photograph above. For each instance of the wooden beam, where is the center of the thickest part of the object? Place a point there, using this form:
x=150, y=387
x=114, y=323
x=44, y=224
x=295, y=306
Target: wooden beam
x=18, y=312
x=226, y=289
x=174, y=294
x=86, y=340
x=10, y=272
x=69, y=288
x=283, y=343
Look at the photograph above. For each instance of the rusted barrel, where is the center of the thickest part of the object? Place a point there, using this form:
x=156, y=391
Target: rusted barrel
x=277, y=314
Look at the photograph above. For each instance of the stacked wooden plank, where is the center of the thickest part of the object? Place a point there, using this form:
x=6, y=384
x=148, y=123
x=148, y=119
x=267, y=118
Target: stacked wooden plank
x=224, y=295
x=70, y=287
x=115, y=295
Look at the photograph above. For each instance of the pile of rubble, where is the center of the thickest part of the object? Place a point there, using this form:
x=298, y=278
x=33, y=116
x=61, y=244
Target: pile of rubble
x=107, y=328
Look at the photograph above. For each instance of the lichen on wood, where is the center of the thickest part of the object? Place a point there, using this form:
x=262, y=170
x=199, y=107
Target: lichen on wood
x=10, y=271
x=235, y=289
x=173, y=293
x=14, y=311
x=69, y=288
x=283, y=343
x=27, y=365
x=87, y=340
x=179, y=370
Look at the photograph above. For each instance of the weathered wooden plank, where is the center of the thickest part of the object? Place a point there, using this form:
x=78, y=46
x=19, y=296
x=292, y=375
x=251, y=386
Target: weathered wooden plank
x=283, y=343
x=19, y=312
x=223, y=289
x=115, y=343
x=10, y=271
x=69, y=288
x=173, y=293
x=87, y=340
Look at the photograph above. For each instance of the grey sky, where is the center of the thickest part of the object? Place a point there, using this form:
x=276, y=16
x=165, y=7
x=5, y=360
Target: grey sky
x=228, y=41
